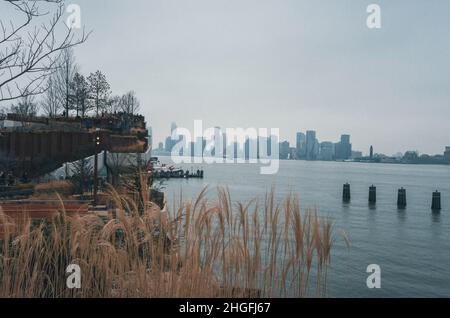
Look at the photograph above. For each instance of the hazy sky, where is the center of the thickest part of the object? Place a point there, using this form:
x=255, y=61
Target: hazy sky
x=295, y=65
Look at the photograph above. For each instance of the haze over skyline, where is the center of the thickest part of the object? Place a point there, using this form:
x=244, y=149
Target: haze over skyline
x=295, y=65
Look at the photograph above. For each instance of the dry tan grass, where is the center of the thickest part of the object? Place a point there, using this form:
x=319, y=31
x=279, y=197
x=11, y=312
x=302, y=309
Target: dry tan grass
x=197, y=249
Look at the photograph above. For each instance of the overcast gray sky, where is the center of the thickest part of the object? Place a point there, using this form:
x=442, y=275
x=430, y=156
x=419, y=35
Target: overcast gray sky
x=291, y=64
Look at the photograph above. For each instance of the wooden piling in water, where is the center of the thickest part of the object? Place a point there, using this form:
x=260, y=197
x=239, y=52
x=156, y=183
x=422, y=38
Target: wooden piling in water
x=346, y=193
x=372, y=194
x=436, y=201
x=401, y=198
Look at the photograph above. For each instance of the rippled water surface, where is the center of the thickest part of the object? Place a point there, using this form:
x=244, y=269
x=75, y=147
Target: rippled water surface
x=411, y=246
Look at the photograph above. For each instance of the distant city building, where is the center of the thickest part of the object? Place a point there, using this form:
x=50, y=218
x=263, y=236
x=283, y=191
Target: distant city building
x=292, y=153
x=326, y=151
x=224, y=140
x=410, y=156
x=251, y=148
x=199, y=147
x=311, y=145
x=343, y=150
x=356, y=154
x=215, y=150
x=300, y=145
x=150, y=137
x=266, y=142
x=192, y=148
x=285, y=150
x=265, y=150
x=272, y=139
x=173, y=126
x=371, y=152
x=169, y=144
x=160, y=151
x=236, y=150
x=447, y=154
x=247, y=149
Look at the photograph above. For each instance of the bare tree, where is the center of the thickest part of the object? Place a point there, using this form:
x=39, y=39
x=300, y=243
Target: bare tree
x=99, y=90
x=80, y=90
x=65, y=72
x=51, y=103
x=25, y=107
x=113, y=104
x=129, y=103
x=30, y=49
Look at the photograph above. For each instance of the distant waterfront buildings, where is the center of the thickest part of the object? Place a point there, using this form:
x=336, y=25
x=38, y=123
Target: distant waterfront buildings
x=356, y=155
x=411, y=156
x=307, y=147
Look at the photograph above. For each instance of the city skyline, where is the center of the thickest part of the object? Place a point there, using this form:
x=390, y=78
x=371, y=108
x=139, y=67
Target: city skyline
x=307, y=146
x=288, y=64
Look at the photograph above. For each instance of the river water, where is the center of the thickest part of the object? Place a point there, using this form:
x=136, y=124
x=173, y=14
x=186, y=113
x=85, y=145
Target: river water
x=412, y=247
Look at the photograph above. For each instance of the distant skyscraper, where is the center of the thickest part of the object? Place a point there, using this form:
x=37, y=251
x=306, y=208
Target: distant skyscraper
x=199, y=147
x=311, y=145
x=173, y=126
x=345, y=139
x=247, y=149
x=236, y=152
x=284, y=150
x=316, y=148
x=217, y=142
x=343, y=149
x=192, y=148
x=262, y=147
x=326, y=150
x=371, y=152
x=301, y=145
x=225, y=145
x=169, y=144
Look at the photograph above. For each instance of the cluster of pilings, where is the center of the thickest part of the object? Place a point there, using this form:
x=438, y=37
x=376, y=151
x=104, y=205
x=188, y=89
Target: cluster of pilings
x=401, y=197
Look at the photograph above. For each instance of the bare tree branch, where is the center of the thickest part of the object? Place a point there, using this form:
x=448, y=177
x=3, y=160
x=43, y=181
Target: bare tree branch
x=30, y=50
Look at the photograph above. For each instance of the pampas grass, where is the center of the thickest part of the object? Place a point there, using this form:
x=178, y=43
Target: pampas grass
x=194, y=249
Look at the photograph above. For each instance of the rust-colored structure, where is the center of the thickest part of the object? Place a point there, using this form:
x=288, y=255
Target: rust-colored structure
x=39, y=145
